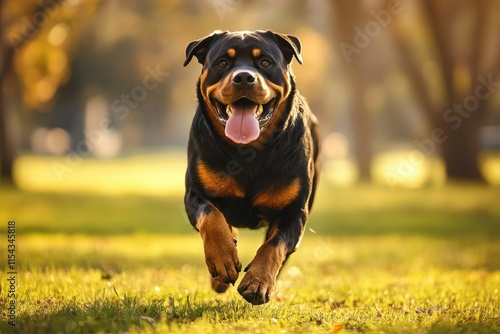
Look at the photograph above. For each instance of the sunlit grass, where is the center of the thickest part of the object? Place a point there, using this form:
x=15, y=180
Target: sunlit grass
x=373, y=259
x=412, y=169
x=143, y=283
x=407, y=169
x=153, y=174
x=490, y=164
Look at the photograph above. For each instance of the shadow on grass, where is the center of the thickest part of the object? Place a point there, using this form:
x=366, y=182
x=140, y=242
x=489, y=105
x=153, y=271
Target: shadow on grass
x=407, y=222
x=127, y=314
x=120, y=315
x=451, y=211
x=93, y=215
x=471, y=326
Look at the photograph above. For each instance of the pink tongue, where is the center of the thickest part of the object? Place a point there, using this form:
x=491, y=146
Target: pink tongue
x=243, y=127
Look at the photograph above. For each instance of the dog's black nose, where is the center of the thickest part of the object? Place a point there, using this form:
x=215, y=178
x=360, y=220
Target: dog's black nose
x=243, y=78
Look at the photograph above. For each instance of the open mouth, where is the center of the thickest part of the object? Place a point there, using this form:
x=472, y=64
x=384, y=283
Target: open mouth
x=262, y=112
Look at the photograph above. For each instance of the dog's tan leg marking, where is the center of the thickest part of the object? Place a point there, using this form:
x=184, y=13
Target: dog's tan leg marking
x=221, y=256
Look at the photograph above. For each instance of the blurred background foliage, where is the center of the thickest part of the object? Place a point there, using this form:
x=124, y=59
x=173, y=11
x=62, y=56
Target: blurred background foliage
x=95, y=98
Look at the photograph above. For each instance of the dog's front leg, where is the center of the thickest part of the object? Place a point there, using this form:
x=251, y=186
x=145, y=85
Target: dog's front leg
x=219, y=245
x=221, y=255
x=281, y=240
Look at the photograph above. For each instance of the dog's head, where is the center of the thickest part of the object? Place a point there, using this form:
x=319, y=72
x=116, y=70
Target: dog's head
x=245, y=80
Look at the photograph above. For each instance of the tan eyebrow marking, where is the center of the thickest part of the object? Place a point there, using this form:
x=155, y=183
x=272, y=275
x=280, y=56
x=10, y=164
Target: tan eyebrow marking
x=231, y=53
x=256, y=53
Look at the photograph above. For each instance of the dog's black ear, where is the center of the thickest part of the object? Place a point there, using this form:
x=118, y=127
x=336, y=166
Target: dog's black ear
x=289, y=45
x=199, y=48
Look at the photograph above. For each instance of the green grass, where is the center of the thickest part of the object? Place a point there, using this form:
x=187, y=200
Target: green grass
x=89, y=284
x=373, y=260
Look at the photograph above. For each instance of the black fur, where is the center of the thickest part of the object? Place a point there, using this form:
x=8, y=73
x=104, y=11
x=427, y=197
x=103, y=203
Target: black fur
x=290, y=151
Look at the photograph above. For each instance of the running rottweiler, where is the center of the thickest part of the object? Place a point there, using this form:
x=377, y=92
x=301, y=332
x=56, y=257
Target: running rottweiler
x=252, y=155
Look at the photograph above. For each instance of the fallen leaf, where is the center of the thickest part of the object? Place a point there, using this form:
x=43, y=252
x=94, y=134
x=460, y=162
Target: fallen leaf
x=380, y=311
x=151, y=321
x=280, y=298
x=337, y=328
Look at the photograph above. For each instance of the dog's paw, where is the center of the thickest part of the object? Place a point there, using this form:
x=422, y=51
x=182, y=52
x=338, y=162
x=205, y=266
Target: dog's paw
x=257, y=285
x=218, y=286
x=223, y=264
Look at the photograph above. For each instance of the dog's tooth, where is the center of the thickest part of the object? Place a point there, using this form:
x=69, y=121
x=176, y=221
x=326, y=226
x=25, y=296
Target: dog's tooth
x=259, y=111
x=228, y=110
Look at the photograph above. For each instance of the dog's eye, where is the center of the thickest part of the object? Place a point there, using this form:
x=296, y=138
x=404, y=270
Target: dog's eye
x=222, y=63
x=265, y=63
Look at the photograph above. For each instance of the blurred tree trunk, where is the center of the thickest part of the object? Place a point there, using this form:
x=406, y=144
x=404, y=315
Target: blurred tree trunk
x=6, y=150
x=347, y=15
x=361, y=124
x=462, y=66
x=460, y=150
x=6, y=154
x=8, y=51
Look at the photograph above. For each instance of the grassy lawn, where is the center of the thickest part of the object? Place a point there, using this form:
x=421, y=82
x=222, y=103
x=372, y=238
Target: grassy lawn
x=373, y=260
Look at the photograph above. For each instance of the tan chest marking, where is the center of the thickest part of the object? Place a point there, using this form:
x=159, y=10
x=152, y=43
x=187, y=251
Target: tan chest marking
x=218, y=183
x=278, y=197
